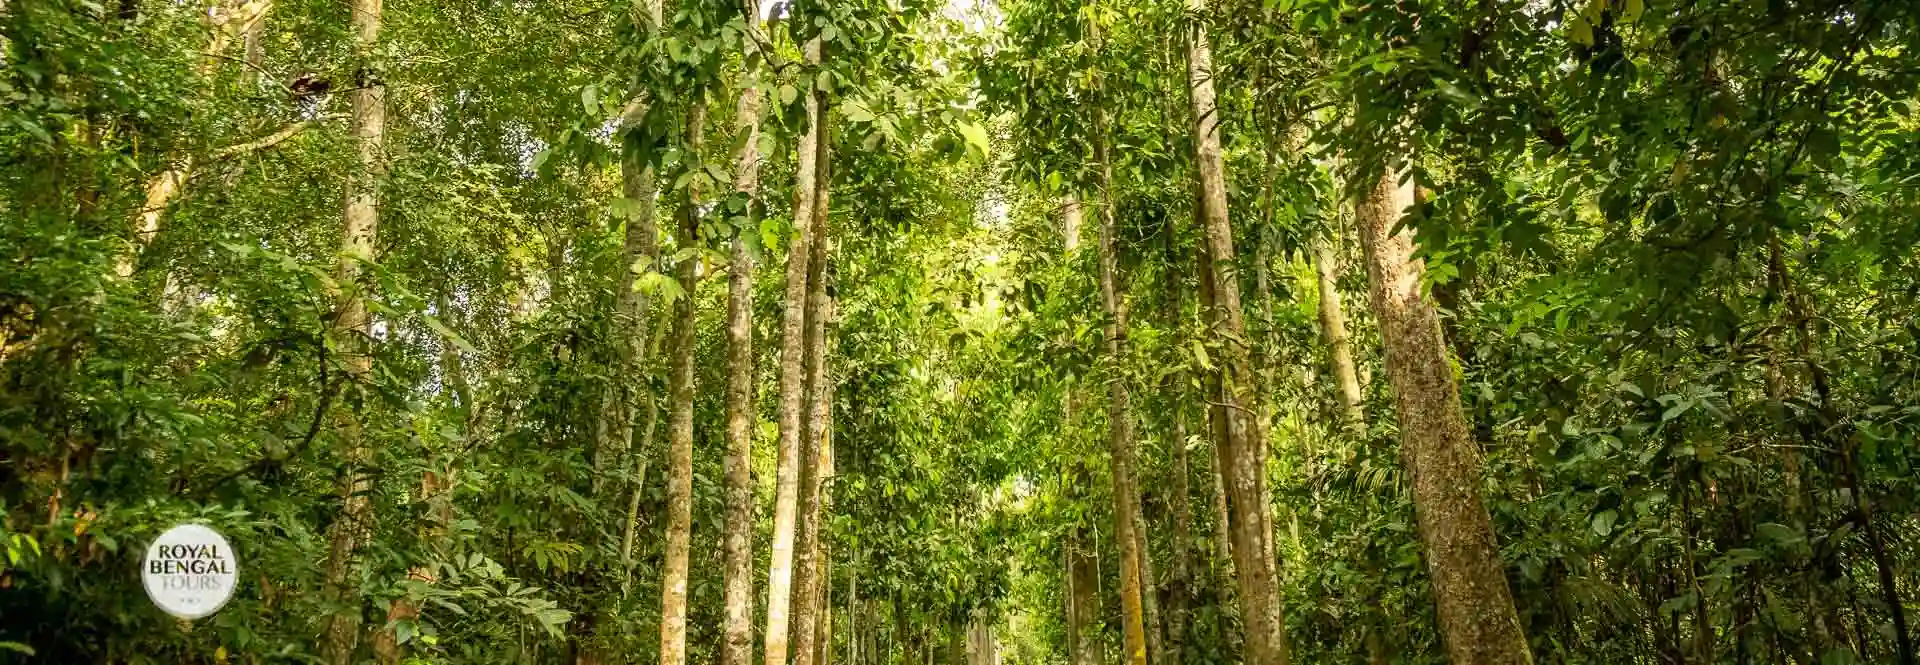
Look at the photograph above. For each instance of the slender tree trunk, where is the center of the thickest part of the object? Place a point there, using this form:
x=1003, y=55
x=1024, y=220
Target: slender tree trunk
x=165, y=187
x=1226, y=575
x=823, y=555
x=1120, y=442
x=792, y=385
x=1245, y=457
x=1083, y=596
x=1180, y=596
x=1477, y=617
x=1333, y=327
x=673, y=586
x=632, y=523
x=361, y=226
x=253, y=30
x=736, y=644
x=640, y=254
x=819, y=393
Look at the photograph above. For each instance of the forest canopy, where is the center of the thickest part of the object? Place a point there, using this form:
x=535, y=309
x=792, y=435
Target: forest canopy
x=971, y=332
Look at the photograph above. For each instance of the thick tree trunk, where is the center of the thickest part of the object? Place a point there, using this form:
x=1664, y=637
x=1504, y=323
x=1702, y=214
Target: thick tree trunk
x=792, y=385
x=640, y=254
x=736, y=643
x=807, y=580
x=361, y=226
x=982, y=648
x=1071, y=219
x=1477, y=617
x=1149, y=586
x=673, y=585
x=1245, y=456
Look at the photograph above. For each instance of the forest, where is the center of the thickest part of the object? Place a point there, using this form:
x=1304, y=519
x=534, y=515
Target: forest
x=963, y=332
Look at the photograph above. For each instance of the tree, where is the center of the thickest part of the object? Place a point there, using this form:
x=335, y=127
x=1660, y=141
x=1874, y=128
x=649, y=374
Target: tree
x=736, y=646
x=1120, y=444
x=360, y=226
x=1243, y=449
x=1476, y=610
x=673, y=621
x=793, y=322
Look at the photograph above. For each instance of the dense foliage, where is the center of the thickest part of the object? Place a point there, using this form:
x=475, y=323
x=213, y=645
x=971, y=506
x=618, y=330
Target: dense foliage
x=433, y=309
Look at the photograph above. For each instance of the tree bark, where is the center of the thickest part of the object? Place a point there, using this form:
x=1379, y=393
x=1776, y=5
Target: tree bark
x=1083, y=595
x=736, y=644
x=361, y=224
x=1120, y=442
x=1226, y=575
x=1333, y=327
x=673, y=586
x=1071, y=220
x=823, y=554
x=1245, y=455
x=1180, y=596
x=165, y=187
x=792, y=385
x=1477, y=617
x=640, y=254
x=819, y=391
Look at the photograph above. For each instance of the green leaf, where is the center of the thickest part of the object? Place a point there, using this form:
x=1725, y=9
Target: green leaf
x=977, y=140
x=855, y=111
x=448, y=334
x=1603, y=522
x=590, y=99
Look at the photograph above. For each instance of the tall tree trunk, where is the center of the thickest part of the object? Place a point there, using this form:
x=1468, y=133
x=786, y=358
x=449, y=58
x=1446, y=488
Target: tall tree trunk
x=1226, y=575
x=673, y=585
x=361, y=225
x=1477, y=617
x=823, y=550
x=736, y=644
x=1180, y=595
x=1244, y=458
x=1149, y=587
x=1333, y=327
x=1120, y=444
x=819, y=392
x=792, y=384
x=640, y=254
x=1083, y=608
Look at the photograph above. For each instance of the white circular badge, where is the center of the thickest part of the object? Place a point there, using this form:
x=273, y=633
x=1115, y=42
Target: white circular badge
x=189, y=571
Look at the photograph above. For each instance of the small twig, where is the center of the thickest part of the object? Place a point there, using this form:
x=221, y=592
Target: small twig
x=1233, y=406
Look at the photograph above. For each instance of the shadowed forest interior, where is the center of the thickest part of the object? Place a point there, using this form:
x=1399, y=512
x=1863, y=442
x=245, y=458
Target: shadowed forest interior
x=964, y=332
